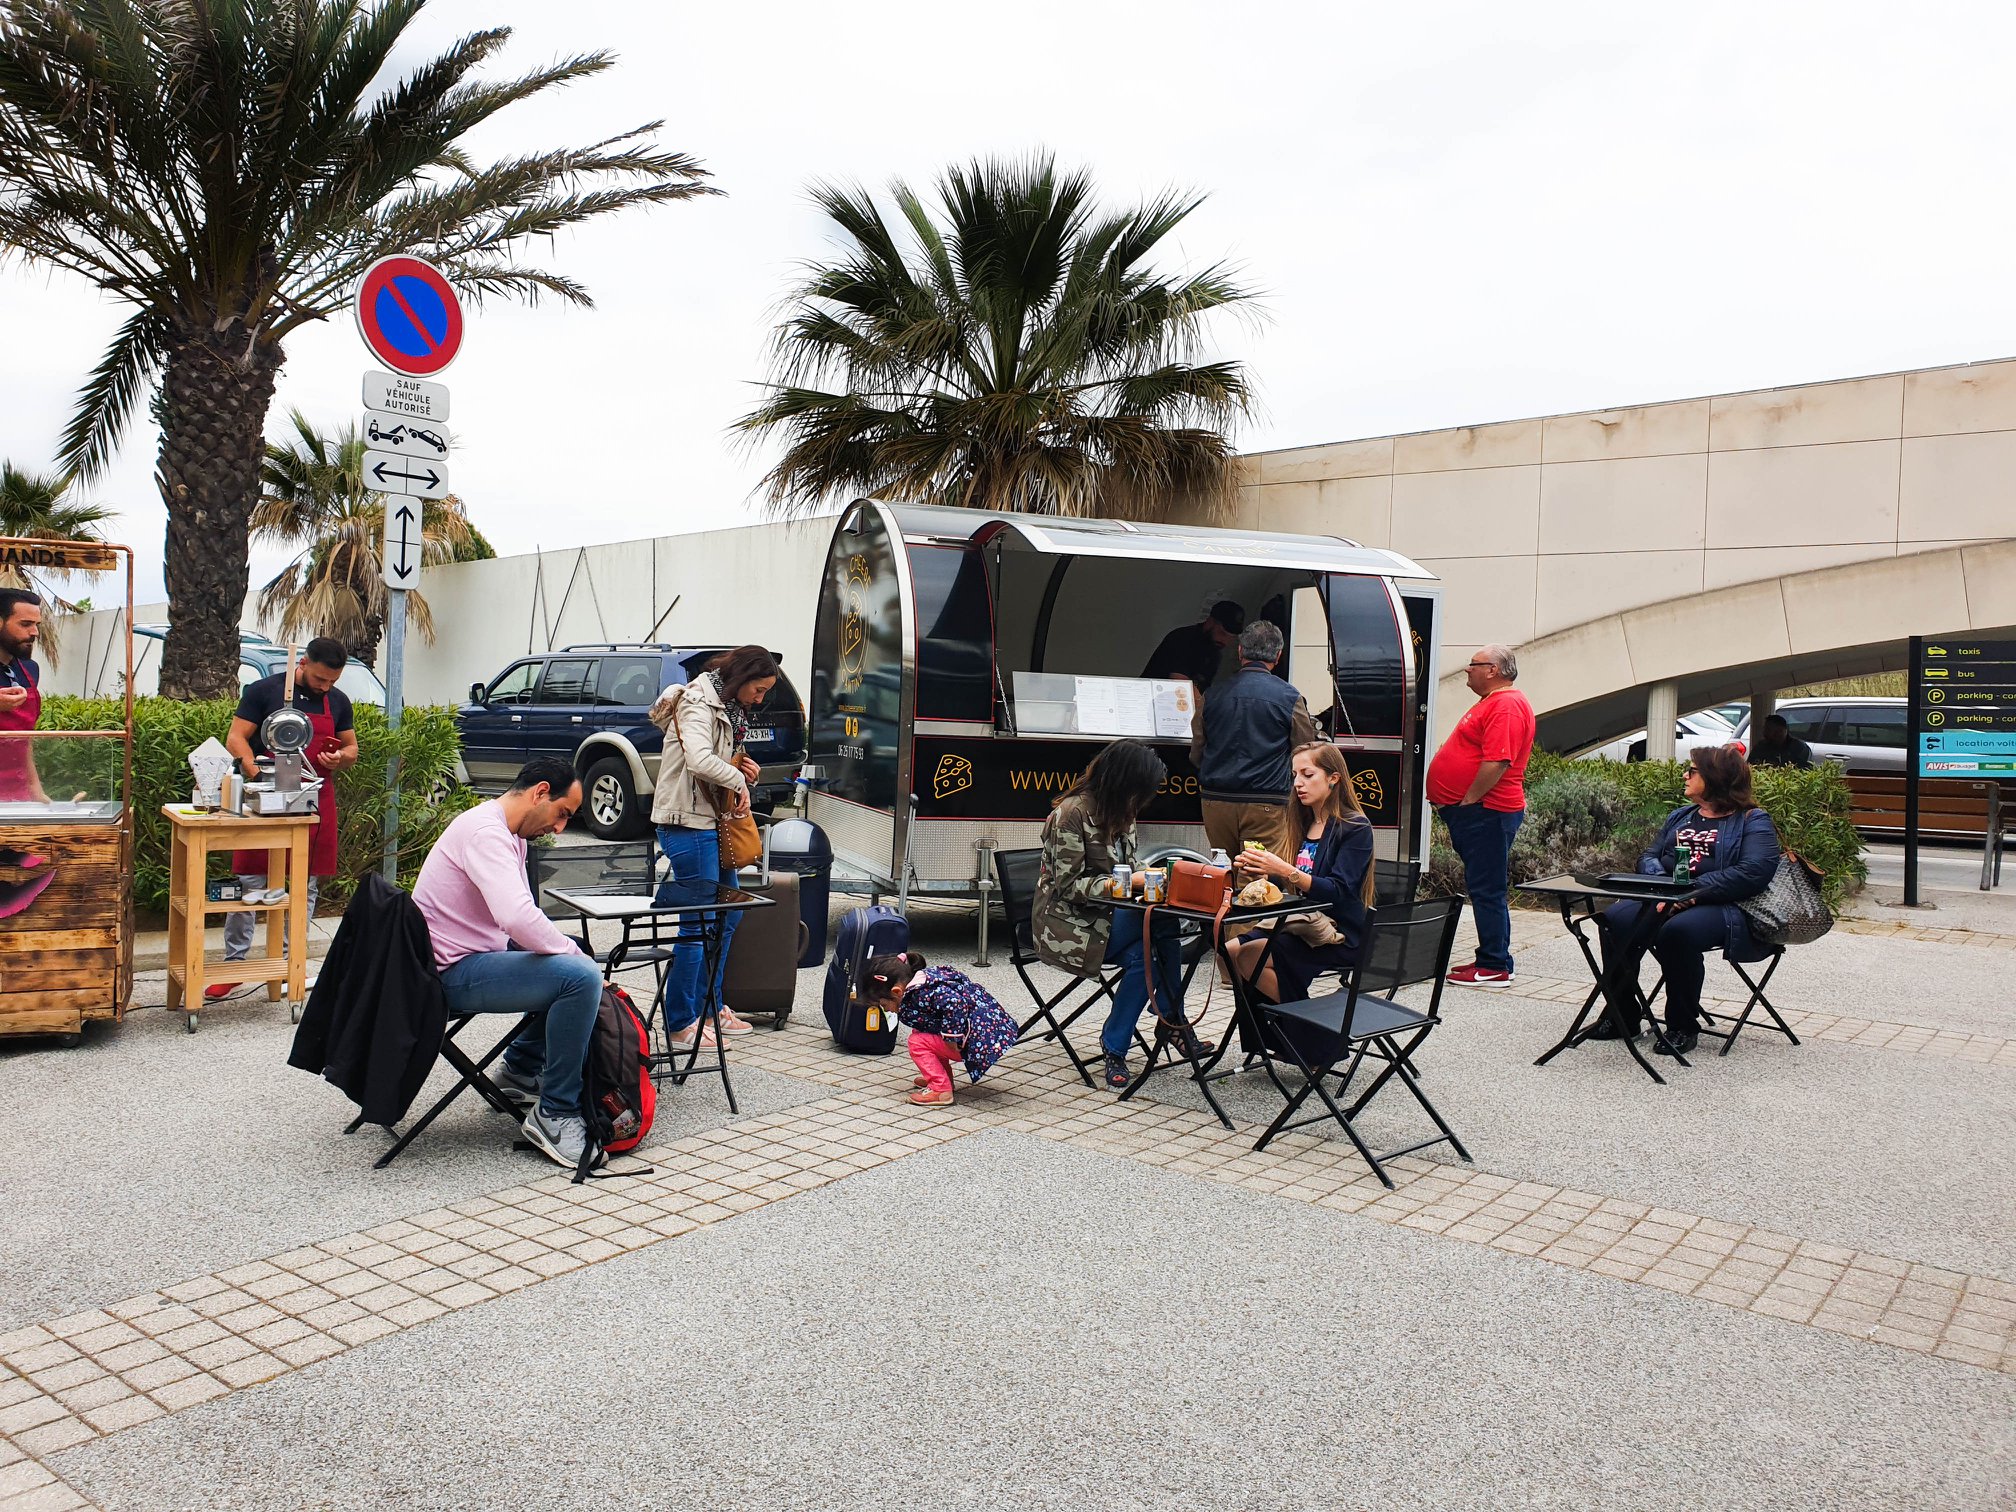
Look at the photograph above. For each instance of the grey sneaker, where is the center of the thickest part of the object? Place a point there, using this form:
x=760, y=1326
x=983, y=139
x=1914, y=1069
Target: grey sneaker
x=560, y=1140
x=518, y=1089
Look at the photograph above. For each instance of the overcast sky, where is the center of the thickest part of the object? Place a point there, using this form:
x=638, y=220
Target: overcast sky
x=1457, y=214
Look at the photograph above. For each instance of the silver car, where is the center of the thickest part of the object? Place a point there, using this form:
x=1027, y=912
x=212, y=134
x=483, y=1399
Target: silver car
x=1860, y=733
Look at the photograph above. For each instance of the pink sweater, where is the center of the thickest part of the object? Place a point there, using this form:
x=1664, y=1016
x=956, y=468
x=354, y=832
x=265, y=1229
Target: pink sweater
x=474, y=895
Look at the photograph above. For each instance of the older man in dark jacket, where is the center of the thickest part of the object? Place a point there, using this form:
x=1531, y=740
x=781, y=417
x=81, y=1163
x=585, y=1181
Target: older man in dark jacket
x=1240, y=742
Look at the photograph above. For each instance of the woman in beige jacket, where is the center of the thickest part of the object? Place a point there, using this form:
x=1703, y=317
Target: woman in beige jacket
x=705, y=722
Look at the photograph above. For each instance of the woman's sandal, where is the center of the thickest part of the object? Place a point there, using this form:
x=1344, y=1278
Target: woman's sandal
x=925, y=1098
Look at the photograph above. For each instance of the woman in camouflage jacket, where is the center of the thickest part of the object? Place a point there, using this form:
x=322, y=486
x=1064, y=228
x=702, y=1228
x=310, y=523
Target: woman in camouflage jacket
x=1088, y=834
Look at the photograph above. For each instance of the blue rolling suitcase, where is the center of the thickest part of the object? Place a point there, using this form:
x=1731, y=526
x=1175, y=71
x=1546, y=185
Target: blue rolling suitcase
x=864, y=934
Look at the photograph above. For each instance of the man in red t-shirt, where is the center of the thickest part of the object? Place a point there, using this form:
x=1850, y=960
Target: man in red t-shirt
x=1477, y=783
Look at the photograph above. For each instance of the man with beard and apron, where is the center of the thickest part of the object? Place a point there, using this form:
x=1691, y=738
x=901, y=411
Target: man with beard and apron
x=332, y=748
x=20, y=693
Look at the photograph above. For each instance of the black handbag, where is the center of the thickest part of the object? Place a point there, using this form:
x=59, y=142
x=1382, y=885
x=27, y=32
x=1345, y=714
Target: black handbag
x=1790, y=910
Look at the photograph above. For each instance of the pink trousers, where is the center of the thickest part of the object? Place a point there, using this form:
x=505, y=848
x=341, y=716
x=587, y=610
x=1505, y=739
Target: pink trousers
x=935, y=1056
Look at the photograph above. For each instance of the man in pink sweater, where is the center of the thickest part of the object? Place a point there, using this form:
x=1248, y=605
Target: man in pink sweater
x=497, y=953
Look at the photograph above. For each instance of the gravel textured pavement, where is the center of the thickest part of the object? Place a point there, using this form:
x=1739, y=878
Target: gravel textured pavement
x=1008, y=1322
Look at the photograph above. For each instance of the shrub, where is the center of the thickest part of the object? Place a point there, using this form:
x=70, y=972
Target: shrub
x=1600, y=815
x=165, y=732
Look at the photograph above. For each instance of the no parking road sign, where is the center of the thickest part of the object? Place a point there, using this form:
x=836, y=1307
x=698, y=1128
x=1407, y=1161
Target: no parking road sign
x=409, y=316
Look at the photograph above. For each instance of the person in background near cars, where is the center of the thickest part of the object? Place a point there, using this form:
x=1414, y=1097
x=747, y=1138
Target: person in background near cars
x=1240, y=742
x=20, y=693
x=1477, y=783
x=331, y=749
x=1193, y=651
x=1780, y=747
x=1732, y=850
x=1090, y=830
x=705, y=723
x=497, y=953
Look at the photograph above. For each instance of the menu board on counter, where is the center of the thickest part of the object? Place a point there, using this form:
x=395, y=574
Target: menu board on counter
x=1059, y=703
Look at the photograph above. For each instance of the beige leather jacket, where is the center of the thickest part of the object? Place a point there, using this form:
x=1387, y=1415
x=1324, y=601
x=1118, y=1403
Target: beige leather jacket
x=699, y=744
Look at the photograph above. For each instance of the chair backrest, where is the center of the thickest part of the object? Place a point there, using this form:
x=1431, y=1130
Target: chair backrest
x=1394, y=882
x=1016, y=872
x=614, y=866
x=1410, y=943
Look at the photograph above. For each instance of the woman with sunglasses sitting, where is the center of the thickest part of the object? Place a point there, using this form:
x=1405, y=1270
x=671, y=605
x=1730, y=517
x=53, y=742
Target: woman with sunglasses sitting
x=1731, y=848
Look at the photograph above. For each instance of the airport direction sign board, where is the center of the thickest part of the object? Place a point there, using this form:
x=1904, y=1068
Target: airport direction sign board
x=389, y=472
x=409, y=316
x=400, y=551
x=1966, y=708
x=406, y=398
x=405, y=436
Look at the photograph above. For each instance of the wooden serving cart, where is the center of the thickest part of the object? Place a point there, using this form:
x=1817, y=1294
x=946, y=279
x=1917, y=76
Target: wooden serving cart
x=66, y=865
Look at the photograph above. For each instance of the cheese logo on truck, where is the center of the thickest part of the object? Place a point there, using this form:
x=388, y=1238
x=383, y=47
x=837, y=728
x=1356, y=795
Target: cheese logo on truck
x=954, y=775
x=1370, y=794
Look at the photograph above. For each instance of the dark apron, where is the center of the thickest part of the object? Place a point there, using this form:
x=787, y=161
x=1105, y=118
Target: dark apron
x=17, y=757
x=322, y=844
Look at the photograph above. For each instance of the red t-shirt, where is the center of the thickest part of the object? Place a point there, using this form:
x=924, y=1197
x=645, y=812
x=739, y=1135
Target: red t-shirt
x=1499, y=728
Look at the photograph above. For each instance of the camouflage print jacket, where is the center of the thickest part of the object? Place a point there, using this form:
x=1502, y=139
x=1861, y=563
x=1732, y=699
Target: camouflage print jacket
x=1072, y=928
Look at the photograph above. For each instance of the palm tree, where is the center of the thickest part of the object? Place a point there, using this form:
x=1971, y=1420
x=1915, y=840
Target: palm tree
x=1016, y=353
x=228, y=169
x=313, y=496
x=38, y=506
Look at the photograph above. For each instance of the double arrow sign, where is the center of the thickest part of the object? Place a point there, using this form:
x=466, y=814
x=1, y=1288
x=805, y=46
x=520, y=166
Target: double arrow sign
x=406, y=438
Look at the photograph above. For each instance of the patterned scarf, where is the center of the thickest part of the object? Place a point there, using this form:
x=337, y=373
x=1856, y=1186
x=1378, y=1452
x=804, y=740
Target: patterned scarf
x=738, y=716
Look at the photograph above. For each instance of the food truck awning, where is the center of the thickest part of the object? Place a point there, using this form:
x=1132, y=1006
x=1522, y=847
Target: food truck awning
x=1058, y=536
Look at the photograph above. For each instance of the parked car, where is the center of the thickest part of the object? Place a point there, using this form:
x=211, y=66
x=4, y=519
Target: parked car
x=1859, y=734
x=590, y=704
x=1703, y=727
x=257, y=657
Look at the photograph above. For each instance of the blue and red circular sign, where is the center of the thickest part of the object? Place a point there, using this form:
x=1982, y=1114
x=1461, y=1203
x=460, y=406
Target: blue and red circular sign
x=409, y=316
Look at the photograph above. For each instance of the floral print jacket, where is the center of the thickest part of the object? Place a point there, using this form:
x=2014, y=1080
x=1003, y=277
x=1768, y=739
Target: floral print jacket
x=946, y=1002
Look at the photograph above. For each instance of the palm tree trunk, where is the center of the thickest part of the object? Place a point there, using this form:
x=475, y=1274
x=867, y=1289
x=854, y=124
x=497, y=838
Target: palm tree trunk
x=215, y=390
x=366, y=649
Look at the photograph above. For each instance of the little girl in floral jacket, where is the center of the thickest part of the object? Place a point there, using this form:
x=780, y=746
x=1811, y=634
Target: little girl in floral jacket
x=950, y=1016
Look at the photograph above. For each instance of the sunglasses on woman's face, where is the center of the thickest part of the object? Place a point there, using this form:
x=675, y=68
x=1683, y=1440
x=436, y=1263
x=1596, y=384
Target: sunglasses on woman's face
x=1690, y=770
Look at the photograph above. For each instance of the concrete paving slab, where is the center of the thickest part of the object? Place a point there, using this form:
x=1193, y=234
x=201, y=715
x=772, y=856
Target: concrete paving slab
x=147, y=1154
x=1008, y=1322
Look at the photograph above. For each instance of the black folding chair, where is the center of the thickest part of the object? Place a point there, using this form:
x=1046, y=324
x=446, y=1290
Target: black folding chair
x=1015, y=871
x=1394, y=882
x=615, y=866
x=1757, y=1000
x=472, y=1075
x=1332, y=1035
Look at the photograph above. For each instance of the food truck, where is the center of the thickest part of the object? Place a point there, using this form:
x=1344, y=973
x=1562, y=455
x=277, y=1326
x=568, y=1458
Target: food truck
x=966, y=665
x=66, y=856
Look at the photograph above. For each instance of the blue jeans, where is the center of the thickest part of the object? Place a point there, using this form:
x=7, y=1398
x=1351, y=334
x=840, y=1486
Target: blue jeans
x=1123, y=949
x=1483, y=838
x=694, y=853
x=566, y=988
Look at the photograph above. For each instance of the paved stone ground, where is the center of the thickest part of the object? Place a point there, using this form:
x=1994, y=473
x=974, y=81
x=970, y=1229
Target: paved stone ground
x=1786, y=1279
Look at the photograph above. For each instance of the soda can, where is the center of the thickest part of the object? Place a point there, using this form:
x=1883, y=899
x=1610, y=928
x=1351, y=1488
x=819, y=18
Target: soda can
x=1123, y=881
x=1155, y=882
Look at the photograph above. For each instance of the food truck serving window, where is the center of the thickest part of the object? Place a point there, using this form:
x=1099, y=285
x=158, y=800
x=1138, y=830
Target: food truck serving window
x=1061, y=703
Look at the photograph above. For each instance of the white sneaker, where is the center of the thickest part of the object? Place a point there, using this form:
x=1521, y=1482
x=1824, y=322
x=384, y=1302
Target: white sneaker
x=560, y=1140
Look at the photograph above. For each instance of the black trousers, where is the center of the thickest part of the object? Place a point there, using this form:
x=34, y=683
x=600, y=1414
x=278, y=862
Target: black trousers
x=1680, y=941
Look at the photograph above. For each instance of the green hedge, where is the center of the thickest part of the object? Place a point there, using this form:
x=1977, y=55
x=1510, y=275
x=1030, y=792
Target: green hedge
x=1601, y=815
x=167, y=730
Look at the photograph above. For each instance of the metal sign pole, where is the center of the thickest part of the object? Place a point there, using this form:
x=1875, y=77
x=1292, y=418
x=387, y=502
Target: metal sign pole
x=395, y=702
x=1914, y=701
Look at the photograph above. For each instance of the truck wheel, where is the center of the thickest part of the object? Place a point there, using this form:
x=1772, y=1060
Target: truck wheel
x=608, y=801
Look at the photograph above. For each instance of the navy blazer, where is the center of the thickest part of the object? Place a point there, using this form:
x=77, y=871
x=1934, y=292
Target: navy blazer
x=1343, y=857
x=1740, y=864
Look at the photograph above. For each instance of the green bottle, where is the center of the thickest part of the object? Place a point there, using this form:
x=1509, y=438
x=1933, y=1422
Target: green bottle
x=1683, y=867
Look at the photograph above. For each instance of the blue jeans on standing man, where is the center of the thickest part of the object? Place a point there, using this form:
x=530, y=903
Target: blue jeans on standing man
x=1483, y=839
x=694, y=853
x=569, y=990
x=1123, y=949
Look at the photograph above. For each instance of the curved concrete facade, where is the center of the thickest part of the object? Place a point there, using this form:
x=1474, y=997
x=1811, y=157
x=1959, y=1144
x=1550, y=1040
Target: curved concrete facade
x=1552, y=533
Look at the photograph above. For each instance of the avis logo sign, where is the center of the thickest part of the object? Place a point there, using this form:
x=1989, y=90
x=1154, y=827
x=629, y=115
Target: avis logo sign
x=954, y=775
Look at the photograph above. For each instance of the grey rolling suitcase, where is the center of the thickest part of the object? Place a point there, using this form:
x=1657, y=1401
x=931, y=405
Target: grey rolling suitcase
x=762, y=975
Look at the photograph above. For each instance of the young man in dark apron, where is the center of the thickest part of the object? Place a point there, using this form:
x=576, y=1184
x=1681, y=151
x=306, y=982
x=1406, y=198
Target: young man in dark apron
x=331, y=748
x=20, y=693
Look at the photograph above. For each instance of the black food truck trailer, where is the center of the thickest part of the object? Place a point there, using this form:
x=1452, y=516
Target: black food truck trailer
x=966, y=665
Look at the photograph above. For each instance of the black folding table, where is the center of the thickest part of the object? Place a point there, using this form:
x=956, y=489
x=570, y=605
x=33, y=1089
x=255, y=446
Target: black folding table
x=1580, y=897
x=1205, y=1071
x=688, y=911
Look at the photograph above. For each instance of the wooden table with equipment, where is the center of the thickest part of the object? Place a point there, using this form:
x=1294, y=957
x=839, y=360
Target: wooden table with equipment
x=193, y=837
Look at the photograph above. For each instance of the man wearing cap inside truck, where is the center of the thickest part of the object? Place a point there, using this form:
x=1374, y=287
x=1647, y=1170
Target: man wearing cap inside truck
x=1194, y=651
x=332, y=748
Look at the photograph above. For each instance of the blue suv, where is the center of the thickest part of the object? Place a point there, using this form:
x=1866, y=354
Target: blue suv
x=589, y=705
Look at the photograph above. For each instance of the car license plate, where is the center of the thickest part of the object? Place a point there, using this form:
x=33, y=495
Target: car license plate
x=760, y=737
